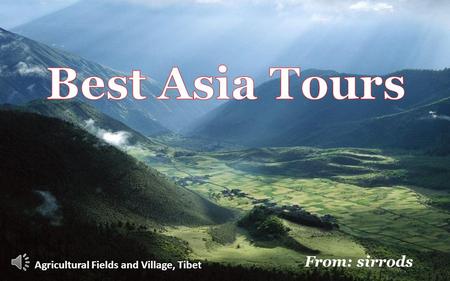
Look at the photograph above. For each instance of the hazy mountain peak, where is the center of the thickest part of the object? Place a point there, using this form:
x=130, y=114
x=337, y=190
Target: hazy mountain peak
x=24, y=77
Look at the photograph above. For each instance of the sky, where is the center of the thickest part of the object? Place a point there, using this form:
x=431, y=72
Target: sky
x=356, y=36
x=16, y=12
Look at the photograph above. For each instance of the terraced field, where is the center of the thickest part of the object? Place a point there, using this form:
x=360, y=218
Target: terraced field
x=368, y=191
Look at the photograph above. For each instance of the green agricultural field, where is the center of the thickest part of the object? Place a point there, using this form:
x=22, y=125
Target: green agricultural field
x=373, y=194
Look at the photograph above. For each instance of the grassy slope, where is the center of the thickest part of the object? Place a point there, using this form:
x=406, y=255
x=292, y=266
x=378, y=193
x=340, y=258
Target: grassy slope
x=106, y=203
x=90, y=178
x=394, y=211
x=78, y=113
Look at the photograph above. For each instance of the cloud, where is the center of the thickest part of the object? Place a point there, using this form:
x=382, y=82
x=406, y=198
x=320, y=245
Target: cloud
x=435, y=115
x=320, y=18
x=315, y=6
x=163, y=3
x=13, y=13
x=49, y=208
x=119, y=139
x=29, y=70
x=372, y=6
x=309, y=11
x=208, y=1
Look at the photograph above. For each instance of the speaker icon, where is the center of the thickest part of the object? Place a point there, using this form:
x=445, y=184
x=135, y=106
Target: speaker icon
x=22, y=262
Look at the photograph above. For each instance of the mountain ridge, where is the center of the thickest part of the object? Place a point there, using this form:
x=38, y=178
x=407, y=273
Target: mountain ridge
x=270, y=122
x=90, y=177
x=82, y=115
x=24, y=77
